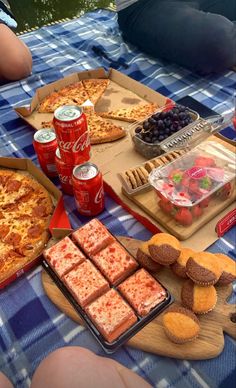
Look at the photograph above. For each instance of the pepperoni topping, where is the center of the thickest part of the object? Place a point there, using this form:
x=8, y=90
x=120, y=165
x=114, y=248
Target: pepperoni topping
x=15, y=253
x=26, y=197
x=34, y=231
x=4, y=230
x=3, y=179
x=13, y=185
x=39, y=211
x=10, y=206
x=13, y=239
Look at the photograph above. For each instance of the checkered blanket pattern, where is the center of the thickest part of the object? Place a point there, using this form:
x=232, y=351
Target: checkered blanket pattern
x=30, y=325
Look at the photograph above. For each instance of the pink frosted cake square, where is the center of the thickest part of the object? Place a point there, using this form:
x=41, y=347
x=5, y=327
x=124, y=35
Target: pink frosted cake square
x=93, y=236
x=111, y=315
x=142, y=291
x=115, y=262
x=63, y=256
x=85, y=283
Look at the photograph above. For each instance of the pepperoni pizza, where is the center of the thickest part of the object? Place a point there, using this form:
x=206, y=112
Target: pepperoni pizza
x=25, y=211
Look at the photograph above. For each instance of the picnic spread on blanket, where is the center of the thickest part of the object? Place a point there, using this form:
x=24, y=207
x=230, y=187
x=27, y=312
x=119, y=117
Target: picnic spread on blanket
x=117, y=209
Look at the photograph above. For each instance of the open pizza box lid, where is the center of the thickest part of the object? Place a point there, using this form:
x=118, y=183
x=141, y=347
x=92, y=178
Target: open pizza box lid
x=59, y=224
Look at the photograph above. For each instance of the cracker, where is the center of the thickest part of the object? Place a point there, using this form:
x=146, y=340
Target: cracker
x=132, y=179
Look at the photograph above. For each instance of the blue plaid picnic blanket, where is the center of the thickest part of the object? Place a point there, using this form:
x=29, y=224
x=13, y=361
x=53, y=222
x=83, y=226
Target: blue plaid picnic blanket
x=30, y=325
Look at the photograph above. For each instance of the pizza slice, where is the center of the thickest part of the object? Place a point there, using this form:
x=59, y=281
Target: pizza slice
x=95, y=88
x=76, y=92
x=137, y=113
x=103, y=131
x=53, y=101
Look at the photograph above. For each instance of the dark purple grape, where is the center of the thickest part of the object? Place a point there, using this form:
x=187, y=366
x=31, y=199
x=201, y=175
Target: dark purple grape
x=182, y=116
x=147, y=139
x=160, y=124
x=161, y=137
x=162, y=115
x=168, y=130
x=179, y=127
x=138, y=129
x=156, y=116
x=151, y=120
x=175, y=117
x=155, y=132
x=175, y=124
x=161, y=131
x=146, y=125
x=167, y=122
x=154, y=139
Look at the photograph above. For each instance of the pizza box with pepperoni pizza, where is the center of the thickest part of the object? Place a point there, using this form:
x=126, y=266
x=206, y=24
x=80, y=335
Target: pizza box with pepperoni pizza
x=58, y=223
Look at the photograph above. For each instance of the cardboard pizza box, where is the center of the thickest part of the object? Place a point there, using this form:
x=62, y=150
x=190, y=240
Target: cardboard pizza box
x=59, y=224
x=122, y=92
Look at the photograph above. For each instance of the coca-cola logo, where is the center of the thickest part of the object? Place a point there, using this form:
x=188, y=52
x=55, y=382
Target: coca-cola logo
x=64, y=178
x=99, y=195
x=79, y=145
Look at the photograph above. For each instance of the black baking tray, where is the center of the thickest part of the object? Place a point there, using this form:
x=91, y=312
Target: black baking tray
x=110, y=347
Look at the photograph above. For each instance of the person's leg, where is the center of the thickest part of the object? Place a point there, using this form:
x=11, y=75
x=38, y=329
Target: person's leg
x=225, y=8
x=181, y=33
x=4, y=382
x=15, y=57
x=73, y=367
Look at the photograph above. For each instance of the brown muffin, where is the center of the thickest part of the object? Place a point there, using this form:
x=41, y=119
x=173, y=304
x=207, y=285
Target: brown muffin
x=203, y=268
x=197, y=298
x=180, y=324
x=164, y=248
x=228, y=266
x=179, y=267
x=144, y=259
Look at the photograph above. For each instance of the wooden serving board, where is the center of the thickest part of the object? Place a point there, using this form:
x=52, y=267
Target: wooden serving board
x=148, y=201
x=151, y=338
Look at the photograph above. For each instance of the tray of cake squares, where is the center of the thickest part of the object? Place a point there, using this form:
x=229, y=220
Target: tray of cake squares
x=112, y=293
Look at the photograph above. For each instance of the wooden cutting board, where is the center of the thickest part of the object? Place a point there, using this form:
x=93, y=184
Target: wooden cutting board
x=151, y=338
x=148, y=201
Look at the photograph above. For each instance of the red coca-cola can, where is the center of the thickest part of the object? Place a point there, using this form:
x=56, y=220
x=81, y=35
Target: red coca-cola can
x=72, y=134
x=88, y=189
x=45, y=145
x=65, y=173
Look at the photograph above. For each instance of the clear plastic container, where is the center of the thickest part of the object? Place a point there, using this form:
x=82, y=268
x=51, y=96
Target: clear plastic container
x=150, y=134
x=188, y=185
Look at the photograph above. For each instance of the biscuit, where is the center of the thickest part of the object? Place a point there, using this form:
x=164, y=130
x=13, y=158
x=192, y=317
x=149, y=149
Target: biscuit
x=126, y=179
x=149, y=166
x=132, y=179
x=143, y=174
x=199, y=299
x=180, y=324
x=229, y=269
x=203, y=268
x=144, y=259
x=137, y=178
x=179, y=267
x=157, y=162
x=164, y=248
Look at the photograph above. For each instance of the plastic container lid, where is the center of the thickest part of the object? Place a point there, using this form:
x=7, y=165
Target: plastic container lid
x=196, y=175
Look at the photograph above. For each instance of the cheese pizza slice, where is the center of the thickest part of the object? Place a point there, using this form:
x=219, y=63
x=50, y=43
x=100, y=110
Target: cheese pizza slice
x=137, y=113
x=95, y=88
x=103, y=131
